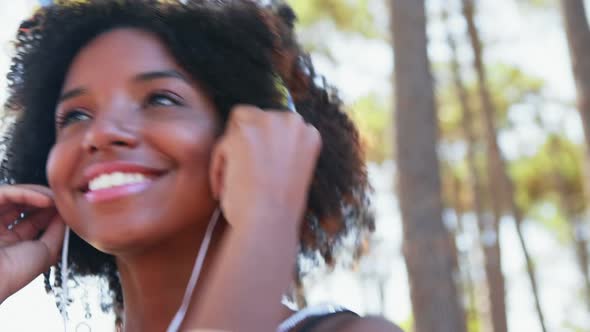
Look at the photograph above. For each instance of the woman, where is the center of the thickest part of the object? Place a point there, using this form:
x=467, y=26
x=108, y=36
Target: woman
x=137, y=121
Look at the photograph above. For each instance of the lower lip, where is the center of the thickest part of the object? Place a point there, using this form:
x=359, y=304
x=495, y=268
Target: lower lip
x=103, y=195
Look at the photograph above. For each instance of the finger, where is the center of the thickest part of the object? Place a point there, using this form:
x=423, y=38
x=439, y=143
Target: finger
x=26, y=229
x=24, y=195
x=241, y=114
x=38, y=188
x=17, y=199
x=18, y=213
x=244, y=112
x=53, y=238
x=8, y=217
x=315, y=137
x=11, y=208
x=30, y=258
x=29, y=228
x=7, y=238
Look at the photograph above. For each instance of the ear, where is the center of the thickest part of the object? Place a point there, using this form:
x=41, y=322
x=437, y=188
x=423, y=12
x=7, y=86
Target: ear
x=216, y=169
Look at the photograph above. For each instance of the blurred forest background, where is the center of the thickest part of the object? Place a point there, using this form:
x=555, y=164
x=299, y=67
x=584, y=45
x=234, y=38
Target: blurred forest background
x=481, y=118
x=475, y=115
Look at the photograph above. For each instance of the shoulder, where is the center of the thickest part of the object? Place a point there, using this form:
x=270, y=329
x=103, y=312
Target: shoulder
x=354, y=323
x=330, y=318
x=371, y=323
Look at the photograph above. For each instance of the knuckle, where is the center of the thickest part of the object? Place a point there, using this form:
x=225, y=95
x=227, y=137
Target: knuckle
x=316, y=139
x=243, y=112
x=314, y=134
x=294, y=118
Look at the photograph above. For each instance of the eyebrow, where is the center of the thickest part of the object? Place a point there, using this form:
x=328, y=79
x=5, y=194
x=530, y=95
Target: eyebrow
x=71, y=94
x=154, y=75
x=148, y=76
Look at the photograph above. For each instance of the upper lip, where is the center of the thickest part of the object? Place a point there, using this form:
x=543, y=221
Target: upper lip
x=97, y=169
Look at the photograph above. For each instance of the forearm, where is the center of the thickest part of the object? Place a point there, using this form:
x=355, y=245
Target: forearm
x=253, y=271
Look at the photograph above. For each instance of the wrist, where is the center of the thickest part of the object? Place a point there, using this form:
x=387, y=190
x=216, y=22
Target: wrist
x=268, y=229
x=269, y=221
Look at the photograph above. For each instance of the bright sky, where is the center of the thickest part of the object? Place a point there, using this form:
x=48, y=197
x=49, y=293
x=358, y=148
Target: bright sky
x=534, y=42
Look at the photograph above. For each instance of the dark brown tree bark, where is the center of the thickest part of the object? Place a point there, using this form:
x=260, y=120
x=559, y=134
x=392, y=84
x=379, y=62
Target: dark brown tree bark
x=500, y=183
x=487, y=228
x=567, y=204
x=427, y=248
x=578, y=37
x=581, y=245
x=466, y=285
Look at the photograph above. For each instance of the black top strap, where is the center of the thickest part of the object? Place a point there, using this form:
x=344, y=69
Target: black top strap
x=312, y=322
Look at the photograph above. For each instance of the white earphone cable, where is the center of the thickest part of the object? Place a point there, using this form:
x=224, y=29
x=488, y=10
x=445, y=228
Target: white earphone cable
x=64, y=278
x=190, y=288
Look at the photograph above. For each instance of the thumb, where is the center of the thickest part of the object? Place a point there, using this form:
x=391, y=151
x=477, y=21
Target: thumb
x=31, y=258
x=53, y=238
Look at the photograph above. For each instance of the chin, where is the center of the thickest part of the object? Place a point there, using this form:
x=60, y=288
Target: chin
x=111, y=246
x=118, y=240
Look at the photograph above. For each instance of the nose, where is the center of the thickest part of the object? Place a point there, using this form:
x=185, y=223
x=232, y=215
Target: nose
x=109, y=132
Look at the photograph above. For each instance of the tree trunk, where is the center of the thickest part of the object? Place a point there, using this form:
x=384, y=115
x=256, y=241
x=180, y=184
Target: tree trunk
x=581, y=244
x=467, y=286
x=500, y=182
x=487, y=230
x=426, y=243
x=565, y=202
x=578, y=37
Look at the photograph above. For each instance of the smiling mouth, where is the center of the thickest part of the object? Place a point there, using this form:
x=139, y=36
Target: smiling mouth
x=117, y=185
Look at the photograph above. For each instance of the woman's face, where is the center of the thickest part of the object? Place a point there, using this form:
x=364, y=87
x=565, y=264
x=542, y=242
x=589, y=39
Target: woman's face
x=129, y=168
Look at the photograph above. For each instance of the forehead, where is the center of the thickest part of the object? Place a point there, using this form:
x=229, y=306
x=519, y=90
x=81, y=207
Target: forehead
x=119, y=53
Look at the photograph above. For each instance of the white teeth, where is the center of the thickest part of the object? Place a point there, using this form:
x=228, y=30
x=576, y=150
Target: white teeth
x=115, y=179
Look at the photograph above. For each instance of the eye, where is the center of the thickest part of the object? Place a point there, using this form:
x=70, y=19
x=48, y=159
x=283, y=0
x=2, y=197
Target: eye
x=66, y=118
x=163, y=98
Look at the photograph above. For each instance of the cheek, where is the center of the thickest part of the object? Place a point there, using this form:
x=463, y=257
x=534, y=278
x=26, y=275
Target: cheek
x=57, y=166
x=190, y=148
x=59, y=169
x=197, y=151
x=189, y=145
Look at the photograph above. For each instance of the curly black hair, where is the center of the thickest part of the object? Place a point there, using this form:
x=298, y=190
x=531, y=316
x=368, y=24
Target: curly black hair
x=234, y=49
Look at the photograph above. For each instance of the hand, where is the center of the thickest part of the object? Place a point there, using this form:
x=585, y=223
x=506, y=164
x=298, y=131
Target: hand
x=263, y=165
x=23, y=254
x=261, y=171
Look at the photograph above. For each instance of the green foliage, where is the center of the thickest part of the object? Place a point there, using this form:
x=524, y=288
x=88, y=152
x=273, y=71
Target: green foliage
x=371, y=113
x=548, y=184
x=552, y=218
x=373, y=117
x=542, y=4
x=407, y=325
x=473, y=323
x=455, y=193
x=348, y=16
x=509, y=86
x=571, y=327
x=553, y=174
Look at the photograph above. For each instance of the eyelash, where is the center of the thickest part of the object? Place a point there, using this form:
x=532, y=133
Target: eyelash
x=175, y=99
x=62, y=119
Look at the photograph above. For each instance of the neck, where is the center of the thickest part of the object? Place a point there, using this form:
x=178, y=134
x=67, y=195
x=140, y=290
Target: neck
x=154, y=281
